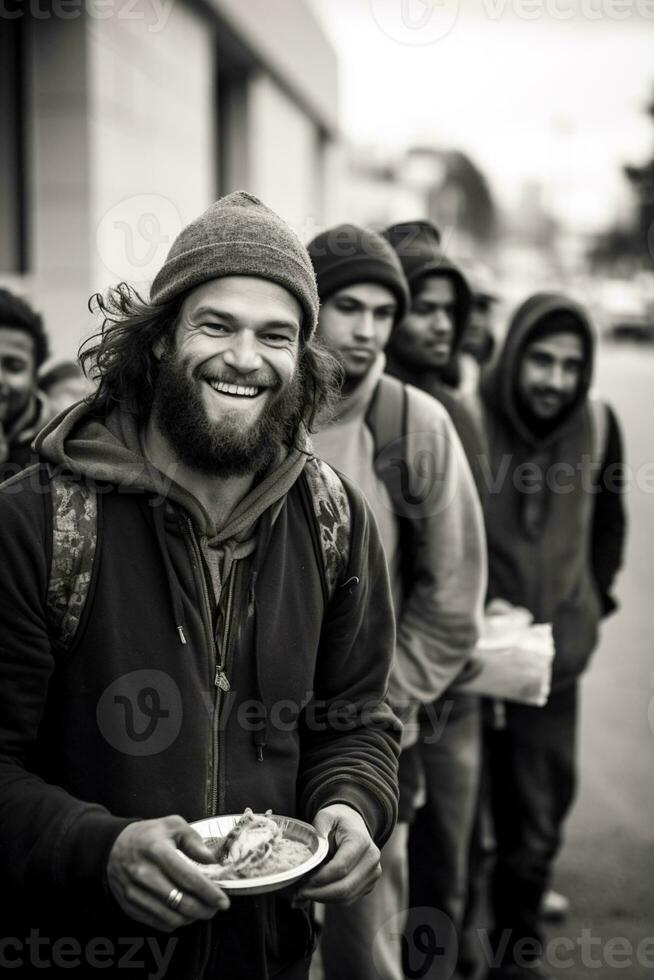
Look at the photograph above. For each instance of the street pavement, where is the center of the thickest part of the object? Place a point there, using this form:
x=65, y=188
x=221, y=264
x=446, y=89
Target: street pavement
x=607, y=865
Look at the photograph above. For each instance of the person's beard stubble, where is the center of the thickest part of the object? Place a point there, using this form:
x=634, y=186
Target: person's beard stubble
x=225, y=447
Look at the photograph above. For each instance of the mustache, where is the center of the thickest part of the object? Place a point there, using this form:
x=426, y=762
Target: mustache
x=549, y=393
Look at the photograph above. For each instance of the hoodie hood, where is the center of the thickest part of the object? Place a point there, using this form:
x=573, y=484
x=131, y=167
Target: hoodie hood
x=499, y=382
x=108, y=450
x=419, y=249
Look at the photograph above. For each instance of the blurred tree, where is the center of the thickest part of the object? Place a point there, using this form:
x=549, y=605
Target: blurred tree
x=459, y=194
x=633, y=240
x=642, y=182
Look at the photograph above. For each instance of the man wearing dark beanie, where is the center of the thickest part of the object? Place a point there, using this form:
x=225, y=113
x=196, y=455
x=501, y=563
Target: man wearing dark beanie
x=555, y=524
x=399, y=446
x=212, y=630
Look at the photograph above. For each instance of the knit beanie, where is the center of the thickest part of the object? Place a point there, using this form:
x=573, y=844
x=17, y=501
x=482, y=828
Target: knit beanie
x=239, y=236
x=346, y=254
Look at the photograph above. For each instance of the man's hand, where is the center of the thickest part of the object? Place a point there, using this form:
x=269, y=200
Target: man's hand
x=144, y=868
x=354, y=866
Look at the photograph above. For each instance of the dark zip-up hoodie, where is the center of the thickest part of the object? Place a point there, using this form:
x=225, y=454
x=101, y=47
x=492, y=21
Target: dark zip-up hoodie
x=160, y=639
x=539, y=505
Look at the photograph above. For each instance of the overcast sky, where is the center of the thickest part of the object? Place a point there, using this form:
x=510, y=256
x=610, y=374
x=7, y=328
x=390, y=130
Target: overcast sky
x=527, y=90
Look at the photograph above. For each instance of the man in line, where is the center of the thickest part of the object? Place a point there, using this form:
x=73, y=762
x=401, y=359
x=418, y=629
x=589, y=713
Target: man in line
x=479, y=341
x=555, y=524
x=435, y=550
x=23, y=409
x=195, y=617
x=423, y=350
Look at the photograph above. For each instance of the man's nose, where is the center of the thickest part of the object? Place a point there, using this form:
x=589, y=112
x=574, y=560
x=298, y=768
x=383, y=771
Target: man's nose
x=364, y=327
x=557, y=377
x=441, y=324
x=243, y=354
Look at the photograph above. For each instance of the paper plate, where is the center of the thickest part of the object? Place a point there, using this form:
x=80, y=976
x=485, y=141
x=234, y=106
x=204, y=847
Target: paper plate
x=293, y=829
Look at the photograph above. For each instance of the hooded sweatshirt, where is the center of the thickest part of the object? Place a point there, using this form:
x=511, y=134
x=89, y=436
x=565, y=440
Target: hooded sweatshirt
x=441, y=384
x=439, y=611
x=223, y=637
x=15, y=441
x=540, y=500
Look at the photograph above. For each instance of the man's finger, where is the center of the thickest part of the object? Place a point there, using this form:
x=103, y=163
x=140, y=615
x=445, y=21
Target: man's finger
x=188, y=878
x=160, y=887
x=143, y=906
x=347, y=856
x=191, y=843
x=359, y=882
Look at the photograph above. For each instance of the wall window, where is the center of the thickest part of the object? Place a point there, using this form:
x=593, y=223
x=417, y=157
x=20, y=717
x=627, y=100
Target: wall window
x=13, y=243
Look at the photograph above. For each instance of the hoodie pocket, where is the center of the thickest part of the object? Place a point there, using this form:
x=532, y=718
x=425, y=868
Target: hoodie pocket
x=576, y=635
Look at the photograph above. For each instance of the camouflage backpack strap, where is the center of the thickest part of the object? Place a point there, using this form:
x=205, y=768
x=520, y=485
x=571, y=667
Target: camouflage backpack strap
x=74, y=540
x=331, y=513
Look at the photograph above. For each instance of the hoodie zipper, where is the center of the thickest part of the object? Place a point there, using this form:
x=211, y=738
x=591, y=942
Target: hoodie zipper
x=222, y=685
x=211, y=647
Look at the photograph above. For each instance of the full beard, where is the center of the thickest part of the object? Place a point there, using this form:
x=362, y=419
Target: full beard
x=227, y=447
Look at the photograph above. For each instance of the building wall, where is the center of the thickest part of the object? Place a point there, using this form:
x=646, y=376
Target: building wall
x=152, y=138
x=284, y=148
x=58, y=191
x=123, y=124
x=288, y=41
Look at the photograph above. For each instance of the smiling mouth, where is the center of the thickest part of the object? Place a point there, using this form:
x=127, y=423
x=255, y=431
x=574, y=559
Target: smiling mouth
x=234, y=390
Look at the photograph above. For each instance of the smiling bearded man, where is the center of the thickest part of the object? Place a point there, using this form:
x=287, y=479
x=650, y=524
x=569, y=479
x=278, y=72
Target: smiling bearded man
x=232, y=444
x=216, y=573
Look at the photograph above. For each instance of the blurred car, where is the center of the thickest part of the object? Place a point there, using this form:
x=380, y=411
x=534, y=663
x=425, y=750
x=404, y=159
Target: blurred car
x=624, y=310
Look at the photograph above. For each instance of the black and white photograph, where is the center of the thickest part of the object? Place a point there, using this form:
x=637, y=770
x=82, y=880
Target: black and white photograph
x=327, y=489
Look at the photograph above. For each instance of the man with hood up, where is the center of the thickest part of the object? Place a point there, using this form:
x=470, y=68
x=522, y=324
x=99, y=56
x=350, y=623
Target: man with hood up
x=195, y=618
x=555, y=524
x=437, y=565
x=423, y=350
x=23, y=408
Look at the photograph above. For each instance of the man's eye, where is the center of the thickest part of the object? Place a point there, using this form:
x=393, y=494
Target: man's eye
x=216, y=327
x=15, y=367
x=277, y=338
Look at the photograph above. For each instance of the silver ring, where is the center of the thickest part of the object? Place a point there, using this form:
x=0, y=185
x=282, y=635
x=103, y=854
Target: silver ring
x=174, y=898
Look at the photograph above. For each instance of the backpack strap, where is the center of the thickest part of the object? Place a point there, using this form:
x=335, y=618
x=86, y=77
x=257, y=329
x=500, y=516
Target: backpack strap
x=74, y=541
x=599, y=425
x=388, y=421
x=387, y=414
x=331, y=514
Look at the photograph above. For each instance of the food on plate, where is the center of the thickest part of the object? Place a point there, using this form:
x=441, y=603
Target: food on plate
x=255, y=846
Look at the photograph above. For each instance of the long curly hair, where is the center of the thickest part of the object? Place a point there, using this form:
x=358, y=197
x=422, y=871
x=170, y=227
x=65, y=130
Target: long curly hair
x=120, y=360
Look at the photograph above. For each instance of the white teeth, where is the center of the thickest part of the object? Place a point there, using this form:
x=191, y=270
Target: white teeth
x=244, y=391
